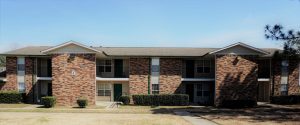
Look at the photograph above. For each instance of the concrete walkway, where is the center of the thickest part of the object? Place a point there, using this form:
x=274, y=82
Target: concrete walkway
x=107, y=104
x=194, y=119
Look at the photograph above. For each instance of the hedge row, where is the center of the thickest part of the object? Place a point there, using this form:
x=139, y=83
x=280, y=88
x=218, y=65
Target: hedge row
x=125, y=99
x=290, y=99
x=10, y=97
x=161, y=99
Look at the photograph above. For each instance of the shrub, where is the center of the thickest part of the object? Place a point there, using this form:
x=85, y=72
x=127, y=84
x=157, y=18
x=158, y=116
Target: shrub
x=10, y=97
x=238, y=103
x=161, y=99
x=82, y=103
x=49, y=101
x=289, y=99
x=125, y=99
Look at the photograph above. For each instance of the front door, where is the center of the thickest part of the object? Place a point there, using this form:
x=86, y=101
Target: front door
x=118, y=68
x=117, y=91
x=49, y=91
x=190, y=69
x=189, y=89
x=203, y=93
x=263, y=91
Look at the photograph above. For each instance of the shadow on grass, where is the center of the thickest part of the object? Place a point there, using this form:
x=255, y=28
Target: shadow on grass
x=261, y=113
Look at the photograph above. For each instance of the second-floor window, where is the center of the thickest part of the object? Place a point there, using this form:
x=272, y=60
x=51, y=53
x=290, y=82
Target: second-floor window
x=104, y=66
x=203, y=66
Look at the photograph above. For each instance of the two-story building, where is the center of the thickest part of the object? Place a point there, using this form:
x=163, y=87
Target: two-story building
x=208, y=75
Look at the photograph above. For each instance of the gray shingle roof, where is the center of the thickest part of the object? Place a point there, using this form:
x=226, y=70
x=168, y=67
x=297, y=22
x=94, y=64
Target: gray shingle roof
x=133, y=51
x=30, y=50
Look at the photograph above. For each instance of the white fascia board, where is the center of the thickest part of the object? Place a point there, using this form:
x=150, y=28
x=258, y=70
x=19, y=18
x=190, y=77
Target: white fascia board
x=263, y=79
x=197, y=79
x=241, y=44
x=111, y=79
x=44, y=78
x=68, y=43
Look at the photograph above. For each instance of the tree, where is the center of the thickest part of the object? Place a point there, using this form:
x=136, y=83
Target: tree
x=2, y=61
x=291, y=39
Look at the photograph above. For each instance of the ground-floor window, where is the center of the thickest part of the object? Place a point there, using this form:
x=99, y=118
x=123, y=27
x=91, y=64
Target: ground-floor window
x=203, y=89
x=21, y=87
x=155, y=88
x=104, y=89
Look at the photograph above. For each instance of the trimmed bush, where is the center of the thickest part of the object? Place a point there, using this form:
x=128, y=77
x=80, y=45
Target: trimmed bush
x=10, y=97
x=48, y=101
x=290, y=99
x=82, y=103
x=125, y=99
x=161, y=99
x=238, y=103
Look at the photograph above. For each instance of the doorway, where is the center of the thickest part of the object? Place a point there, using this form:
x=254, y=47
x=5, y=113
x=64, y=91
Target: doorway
x=190, y=68
x=117, y=91
x=118, y=68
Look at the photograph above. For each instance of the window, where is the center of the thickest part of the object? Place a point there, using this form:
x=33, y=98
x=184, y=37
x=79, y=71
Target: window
x=21, y=87
x=21, y=67
x=203, y=66
x=284, y=77
x=203, y=89
x=104, y=89
x=284, y=89
x=104, y=66
x=155, y=88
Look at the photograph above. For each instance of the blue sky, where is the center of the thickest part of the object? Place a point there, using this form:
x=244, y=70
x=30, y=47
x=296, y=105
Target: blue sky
x=168, y=23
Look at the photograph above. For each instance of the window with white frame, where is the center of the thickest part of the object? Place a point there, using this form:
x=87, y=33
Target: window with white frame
x=104, y=66
x=21, y=86
x=155, y=88
x=203, y=66
x=202, y=89
x=284, y=77
x=21, y=74
x=155, y=70
x=104, y=89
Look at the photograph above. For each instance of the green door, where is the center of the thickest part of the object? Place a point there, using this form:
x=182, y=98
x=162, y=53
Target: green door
x=117, y=91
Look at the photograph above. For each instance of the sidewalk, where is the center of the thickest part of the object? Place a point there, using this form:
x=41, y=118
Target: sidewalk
x=194, y=119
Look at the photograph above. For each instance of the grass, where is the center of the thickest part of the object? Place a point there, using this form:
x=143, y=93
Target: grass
x=261, y=115
x=21, y=105
x=31, y=118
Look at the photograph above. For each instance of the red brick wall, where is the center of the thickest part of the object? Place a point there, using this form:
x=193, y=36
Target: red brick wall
x=28, y=79
x=293, y=78
x=11, y=75
x=236, y=78
x=138, y=75
x=170, y=76
x=68, y=88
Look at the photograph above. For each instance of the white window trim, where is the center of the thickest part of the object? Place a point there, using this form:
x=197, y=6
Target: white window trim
x=153, y=89
x=21, y=74
x=203, y=65
x=104, y=89
x=104, y=65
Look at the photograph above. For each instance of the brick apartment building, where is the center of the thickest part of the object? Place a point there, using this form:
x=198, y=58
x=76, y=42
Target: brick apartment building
x=208, y=75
